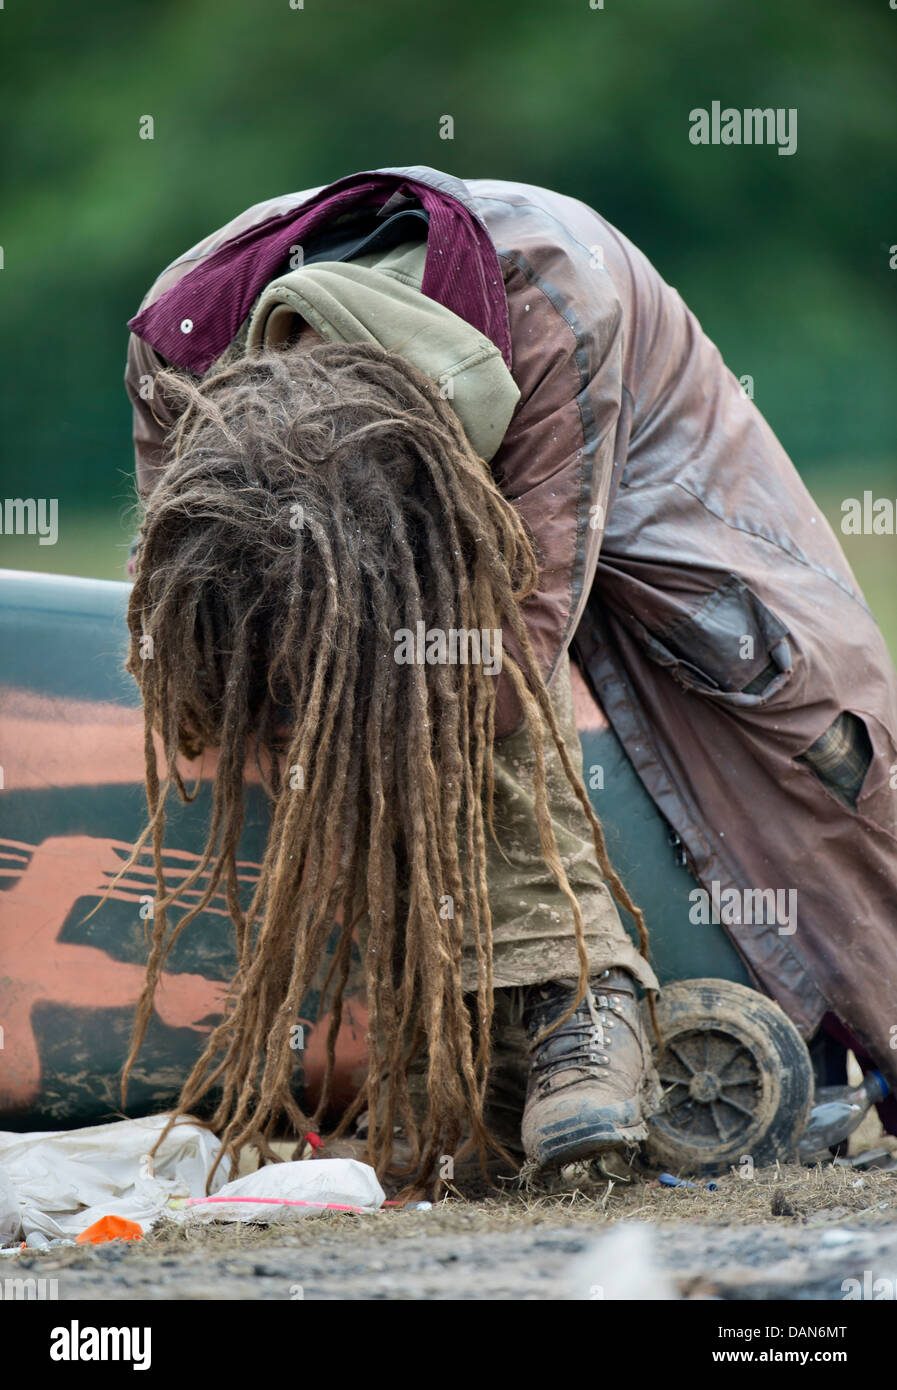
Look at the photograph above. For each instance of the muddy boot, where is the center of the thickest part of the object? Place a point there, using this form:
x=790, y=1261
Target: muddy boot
x=587, y=1078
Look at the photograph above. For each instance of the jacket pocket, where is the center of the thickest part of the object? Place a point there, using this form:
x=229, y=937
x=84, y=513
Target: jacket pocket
x=731, y=647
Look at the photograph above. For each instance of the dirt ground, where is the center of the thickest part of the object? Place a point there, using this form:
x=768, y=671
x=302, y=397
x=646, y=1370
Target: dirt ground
x=788, y=1232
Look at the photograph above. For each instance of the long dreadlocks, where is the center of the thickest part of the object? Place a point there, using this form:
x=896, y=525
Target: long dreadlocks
x=315, y=503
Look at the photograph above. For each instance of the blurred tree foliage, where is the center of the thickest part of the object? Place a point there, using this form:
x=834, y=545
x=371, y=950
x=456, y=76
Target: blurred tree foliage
x=785, y=260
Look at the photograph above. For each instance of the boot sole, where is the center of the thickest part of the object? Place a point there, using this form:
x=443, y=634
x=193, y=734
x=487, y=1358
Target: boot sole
x=578, y=1138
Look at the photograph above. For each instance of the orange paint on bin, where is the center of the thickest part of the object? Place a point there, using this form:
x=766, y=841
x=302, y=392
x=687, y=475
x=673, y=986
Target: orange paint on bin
x=110, y=1228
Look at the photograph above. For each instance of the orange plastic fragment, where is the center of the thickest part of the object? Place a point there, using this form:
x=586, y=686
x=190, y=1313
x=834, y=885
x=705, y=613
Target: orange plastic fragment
x=110, y=1228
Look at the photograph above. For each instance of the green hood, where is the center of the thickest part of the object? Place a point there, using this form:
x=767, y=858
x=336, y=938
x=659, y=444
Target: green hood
x=377, y=299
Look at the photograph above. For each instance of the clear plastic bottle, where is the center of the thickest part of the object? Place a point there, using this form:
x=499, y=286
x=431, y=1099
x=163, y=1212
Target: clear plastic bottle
x=837, y=1112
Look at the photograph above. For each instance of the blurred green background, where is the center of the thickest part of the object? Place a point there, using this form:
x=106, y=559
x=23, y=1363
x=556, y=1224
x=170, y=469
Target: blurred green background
x=784, y=259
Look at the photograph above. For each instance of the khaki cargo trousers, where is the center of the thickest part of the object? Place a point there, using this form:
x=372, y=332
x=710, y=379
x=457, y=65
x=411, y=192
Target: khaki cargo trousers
x=534, y=937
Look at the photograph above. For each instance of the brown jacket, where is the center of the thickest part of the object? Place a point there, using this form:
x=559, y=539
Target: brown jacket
x=708, y=598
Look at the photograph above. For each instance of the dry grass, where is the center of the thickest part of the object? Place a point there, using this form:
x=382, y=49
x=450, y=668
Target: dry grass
x=810, y=1197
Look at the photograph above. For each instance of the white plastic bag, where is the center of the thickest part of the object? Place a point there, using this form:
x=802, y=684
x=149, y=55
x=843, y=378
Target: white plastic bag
x=10, y=1216
x=67, y=1179
x=285, y=1191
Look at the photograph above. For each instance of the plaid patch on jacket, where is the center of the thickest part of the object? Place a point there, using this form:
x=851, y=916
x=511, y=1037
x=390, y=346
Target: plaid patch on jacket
x=841, y=756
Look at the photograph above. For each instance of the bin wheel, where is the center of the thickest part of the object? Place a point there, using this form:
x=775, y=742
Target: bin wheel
x=737, y=1080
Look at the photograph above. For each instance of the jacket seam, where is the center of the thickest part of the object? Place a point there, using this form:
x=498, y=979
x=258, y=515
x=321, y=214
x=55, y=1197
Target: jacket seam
x=590, y=440
x=574, y=241
x=796, y=555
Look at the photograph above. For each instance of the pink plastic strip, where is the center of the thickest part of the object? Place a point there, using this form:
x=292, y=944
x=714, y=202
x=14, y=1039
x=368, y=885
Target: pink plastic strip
x=274, y=1202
